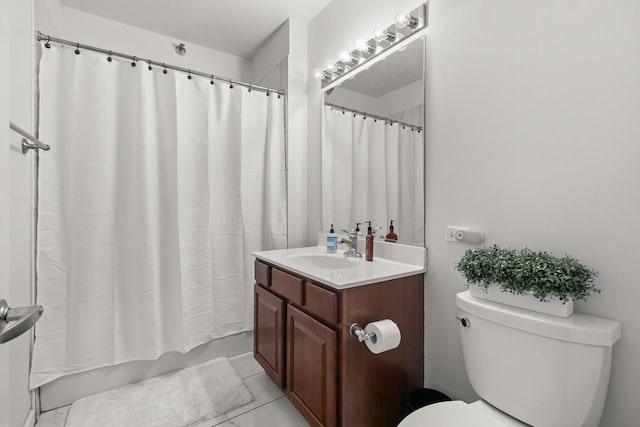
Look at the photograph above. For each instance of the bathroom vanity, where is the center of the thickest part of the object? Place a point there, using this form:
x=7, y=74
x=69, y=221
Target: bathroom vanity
x=306, y=301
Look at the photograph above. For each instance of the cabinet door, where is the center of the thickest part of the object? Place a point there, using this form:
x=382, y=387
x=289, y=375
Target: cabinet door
x=311, y=368
x=268, y=347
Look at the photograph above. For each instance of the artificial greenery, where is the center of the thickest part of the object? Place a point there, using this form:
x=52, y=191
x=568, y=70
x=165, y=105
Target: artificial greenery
x=527, y=272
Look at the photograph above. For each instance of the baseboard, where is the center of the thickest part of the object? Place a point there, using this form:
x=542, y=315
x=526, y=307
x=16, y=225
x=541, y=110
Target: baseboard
x=30, y=421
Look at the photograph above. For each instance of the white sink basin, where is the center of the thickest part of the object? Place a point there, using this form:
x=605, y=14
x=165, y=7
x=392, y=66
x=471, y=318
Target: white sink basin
x=322, y=261
x=393, y=261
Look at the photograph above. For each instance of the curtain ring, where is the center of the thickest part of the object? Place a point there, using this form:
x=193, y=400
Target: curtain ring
x=149, y=67
x=109, y=59
x=212, y=82
x=249, y=88
x=133, y=63
x=48, y=42
x=230, y=84
x=268, y=92
x=189, y=75
x=77, y=51
x=279, y=94
x=164, y=71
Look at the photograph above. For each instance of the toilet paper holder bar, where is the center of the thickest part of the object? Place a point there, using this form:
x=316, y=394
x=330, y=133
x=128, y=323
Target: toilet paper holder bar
x=357, y=331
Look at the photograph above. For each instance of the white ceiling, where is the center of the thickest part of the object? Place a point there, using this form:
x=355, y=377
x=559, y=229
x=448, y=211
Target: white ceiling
x=237, y=27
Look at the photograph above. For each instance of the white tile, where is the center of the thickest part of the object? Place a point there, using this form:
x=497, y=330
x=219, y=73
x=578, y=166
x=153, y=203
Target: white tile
x=246, y=365
x=54, y=418
x=280, y=413
x=263, y=390
x=213, y=421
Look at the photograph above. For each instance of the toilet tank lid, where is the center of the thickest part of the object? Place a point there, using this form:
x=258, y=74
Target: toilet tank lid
x=578, y=328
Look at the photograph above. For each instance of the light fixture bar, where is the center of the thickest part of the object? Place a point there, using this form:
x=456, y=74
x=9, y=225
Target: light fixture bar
x=337, y=81
x=385, y=41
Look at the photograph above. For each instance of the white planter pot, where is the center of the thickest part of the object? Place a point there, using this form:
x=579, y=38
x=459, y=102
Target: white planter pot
x=555, y=307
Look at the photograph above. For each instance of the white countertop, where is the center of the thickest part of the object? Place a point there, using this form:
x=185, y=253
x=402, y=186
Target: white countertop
x=361, y=273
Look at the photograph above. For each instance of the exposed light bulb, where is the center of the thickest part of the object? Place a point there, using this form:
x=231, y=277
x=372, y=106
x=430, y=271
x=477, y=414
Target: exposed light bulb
x=331, y=67
x=318, y=74
x=402, y=19
x=345, y=56
x=379, y=34
x=362, y=45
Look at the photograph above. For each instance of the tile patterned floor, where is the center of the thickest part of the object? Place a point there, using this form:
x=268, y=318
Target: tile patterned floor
x=269, y=409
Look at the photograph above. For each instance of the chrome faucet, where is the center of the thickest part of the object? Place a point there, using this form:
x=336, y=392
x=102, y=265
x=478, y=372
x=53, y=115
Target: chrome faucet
x=352, y=241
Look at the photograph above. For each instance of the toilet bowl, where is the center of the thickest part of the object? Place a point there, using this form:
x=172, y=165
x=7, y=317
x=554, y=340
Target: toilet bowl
x=528, y=369
x=457, y=413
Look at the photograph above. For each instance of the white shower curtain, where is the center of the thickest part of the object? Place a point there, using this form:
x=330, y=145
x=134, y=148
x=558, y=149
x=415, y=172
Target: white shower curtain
x=156, y=190
x=372, y=171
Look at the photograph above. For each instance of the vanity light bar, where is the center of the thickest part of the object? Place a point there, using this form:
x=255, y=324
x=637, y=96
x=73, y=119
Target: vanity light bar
x=383, y=39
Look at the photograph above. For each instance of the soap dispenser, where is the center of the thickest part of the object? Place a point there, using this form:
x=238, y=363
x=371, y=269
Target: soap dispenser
x=332, y=241
x=391, y=235
x=369, y=242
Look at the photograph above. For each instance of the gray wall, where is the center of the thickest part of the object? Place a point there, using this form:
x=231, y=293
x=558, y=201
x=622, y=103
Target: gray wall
x=539, y=104
x=19, y=175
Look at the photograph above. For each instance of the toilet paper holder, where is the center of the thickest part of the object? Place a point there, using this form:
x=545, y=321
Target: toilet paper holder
x=357, y=331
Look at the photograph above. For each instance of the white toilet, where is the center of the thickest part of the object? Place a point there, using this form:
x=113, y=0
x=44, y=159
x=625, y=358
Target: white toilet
x=528, y=369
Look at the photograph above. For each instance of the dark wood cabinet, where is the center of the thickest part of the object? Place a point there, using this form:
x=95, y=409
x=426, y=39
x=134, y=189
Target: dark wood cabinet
x=311, y=367
x=269, y=334
x=302, y=340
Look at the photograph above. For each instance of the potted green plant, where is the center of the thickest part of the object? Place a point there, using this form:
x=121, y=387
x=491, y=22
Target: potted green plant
x=536, y=281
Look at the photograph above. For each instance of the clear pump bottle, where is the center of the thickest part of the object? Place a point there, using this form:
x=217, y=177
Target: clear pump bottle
x=332, y=241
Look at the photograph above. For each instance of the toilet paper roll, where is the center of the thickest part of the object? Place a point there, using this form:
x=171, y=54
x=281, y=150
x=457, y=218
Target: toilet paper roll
x=384, y=335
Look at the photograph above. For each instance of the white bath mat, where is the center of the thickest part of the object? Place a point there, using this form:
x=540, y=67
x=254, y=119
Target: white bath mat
x=182, y=398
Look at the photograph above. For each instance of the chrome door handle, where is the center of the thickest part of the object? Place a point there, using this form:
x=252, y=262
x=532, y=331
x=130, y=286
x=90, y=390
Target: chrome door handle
x=16, y=321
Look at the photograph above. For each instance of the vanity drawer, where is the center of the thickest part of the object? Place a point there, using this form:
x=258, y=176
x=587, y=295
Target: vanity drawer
x=262, y=273
x=321, y=302
x=286, y=285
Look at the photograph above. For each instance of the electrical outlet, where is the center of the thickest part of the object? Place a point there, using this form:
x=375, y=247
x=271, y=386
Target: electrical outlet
x=450, y=232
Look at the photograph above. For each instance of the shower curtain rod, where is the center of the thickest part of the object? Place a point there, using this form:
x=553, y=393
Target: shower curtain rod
x=110, y=53
x=36, y=143
x=373, y=116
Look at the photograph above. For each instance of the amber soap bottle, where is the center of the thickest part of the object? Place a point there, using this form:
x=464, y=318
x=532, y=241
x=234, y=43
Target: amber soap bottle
x=369, y=242
x=391, y=235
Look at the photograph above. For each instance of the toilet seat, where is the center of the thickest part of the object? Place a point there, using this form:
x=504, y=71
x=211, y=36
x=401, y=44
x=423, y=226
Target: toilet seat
x=459, y=414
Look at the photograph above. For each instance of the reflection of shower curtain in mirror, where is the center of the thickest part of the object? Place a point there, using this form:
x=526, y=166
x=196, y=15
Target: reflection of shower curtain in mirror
x=372, y=171
x=156, y=190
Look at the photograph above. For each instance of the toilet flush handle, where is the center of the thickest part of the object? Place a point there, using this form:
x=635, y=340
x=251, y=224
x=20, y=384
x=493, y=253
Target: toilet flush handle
x=464, y=321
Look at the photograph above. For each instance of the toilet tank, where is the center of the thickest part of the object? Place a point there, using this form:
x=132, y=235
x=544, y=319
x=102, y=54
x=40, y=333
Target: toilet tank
x=543, y=370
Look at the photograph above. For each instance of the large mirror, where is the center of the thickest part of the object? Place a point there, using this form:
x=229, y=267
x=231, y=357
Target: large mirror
x=373, y=147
